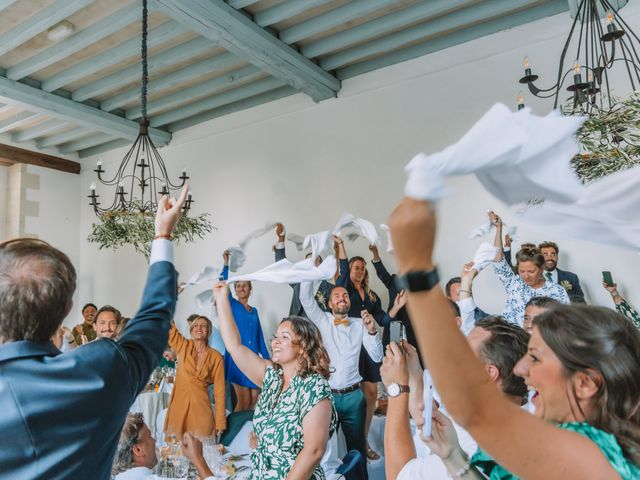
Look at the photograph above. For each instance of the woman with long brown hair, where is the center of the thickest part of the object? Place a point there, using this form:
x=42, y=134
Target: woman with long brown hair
x=582, y=365
x=294, y=416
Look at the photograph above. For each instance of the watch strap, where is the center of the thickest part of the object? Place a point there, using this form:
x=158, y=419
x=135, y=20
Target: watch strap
x=418, y=281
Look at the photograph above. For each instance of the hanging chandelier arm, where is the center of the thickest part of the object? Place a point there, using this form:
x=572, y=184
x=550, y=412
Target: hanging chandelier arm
x=564, y=54
x=627, y=28
x=163, y=169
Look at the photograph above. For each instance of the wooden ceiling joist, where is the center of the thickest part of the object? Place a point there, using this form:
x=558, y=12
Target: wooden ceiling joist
x=10, y=155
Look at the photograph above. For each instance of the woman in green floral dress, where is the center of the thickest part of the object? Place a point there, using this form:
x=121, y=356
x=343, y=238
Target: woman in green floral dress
x=294, y=416
x=582, y=365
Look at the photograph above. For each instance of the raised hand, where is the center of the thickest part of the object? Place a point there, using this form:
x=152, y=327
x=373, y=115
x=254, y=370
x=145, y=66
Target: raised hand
x=280, y=231
x=374, y=251
x=444, y=439
x=507, y=241
x=494, y=218
x=369, y=322
x=220, y=291
x=225, y=257
x=169, y=212
x=394, y=369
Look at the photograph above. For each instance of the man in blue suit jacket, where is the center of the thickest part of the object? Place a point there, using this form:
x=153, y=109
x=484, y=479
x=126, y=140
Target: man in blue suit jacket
x=568, y=280
x=62, y=413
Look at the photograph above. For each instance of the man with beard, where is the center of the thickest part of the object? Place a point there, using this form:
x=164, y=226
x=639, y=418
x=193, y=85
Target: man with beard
x=568, y=280
x=343, y=337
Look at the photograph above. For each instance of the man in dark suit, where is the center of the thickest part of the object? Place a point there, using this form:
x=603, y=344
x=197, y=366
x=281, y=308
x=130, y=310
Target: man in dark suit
x=324, y=289
x=568, y=280
x=62, y=413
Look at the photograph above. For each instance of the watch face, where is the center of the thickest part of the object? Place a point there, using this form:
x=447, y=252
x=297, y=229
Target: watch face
x=393, y=390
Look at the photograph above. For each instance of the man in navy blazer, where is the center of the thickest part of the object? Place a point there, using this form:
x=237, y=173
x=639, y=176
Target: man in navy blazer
x=568, y=280
x=62, y=413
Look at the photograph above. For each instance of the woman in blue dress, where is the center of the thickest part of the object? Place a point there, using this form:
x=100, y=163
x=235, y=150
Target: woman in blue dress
x=248, y=323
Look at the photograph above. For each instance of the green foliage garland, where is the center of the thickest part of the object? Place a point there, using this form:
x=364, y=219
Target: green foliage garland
x=119, y=228
x=610, y=140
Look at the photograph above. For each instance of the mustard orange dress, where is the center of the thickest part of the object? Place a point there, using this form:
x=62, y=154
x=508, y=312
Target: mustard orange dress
x=190, y=408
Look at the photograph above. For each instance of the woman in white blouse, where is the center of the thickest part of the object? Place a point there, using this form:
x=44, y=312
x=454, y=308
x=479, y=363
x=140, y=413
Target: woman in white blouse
x=527, y=283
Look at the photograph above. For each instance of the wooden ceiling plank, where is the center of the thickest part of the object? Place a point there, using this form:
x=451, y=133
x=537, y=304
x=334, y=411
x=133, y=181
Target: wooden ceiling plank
x=219, y=62
x=12, y=155
x=243, y=104
x=351, y=11
x=285, y=11
x=390, y=22
x=76, y=42
x=164, y=33
x=199, y=90
x=162, y=60
x=552, y=7
x=215, y=101
x=38, y=130
x=455, y=20
x=60, y=138
x=216, y=20
x=39, y=22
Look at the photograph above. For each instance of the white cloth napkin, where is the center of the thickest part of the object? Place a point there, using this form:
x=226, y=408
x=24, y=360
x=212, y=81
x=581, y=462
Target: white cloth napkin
x=485, y=255
x=206, y=274
x=364, y=227
x=238, y=255
x=285, y=271
x=385, y=228
x=516, y=156
x=607, y=212
x=298, y=240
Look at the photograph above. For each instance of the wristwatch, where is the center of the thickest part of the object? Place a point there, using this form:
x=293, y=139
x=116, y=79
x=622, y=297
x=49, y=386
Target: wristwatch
x=418, y=281
x=394, y=389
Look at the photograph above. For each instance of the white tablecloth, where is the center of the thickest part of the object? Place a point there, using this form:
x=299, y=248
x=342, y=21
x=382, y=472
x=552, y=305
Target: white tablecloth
x=150, y=404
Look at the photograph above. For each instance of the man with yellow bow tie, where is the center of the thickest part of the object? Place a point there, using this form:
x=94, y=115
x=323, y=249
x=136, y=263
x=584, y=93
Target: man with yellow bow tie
x=343, y=338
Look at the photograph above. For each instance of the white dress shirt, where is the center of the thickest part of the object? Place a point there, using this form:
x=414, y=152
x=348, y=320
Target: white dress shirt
x=554, y=275
x=342, y=342
x=467, y=314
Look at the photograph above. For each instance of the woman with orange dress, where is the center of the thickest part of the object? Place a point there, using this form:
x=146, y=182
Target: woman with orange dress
x=198, y=367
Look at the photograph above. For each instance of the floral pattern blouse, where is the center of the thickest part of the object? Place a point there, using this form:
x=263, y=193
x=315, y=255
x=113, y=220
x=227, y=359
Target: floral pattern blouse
x=519, y=293
x=277, y=422
x=604, y=440
x=628, y=311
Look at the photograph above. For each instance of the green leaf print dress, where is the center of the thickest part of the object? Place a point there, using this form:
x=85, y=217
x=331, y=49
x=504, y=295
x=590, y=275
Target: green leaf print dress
x=277, y=422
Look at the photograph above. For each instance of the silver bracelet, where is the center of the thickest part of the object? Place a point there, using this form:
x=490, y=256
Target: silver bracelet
x=462, y=472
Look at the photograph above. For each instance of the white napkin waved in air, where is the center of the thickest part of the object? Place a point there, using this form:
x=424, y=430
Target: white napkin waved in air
x=298, y=240
x=238, y=252
x=206, y=274
x=485, y=255
x=285, y=271
x=607, y=212
x=323, y=241
x=385, y=228
x=517, y=156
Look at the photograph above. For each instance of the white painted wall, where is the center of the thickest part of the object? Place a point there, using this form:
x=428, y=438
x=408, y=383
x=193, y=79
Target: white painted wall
x=305, y=164
x=58, y=219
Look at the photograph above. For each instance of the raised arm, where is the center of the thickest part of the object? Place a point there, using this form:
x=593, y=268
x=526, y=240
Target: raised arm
x=466, y=303
x=144, y=338
x=308, y=302
x=398, y=441
x=382, y=273
x=278, y=249
x=524, y=445
x=247, y=361
x=496, y=221
x=622, y=306
x=177, y=342
x=371, y=338
x=343, y=264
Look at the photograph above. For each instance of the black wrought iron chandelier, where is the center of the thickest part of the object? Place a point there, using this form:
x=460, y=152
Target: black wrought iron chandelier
x=604, y=41
x=142, y=169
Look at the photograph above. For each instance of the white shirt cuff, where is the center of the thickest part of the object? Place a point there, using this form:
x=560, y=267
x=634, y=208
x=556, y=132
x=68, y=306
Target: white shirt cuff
x=506, y=249
x=161, y=251
x=279, y=245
